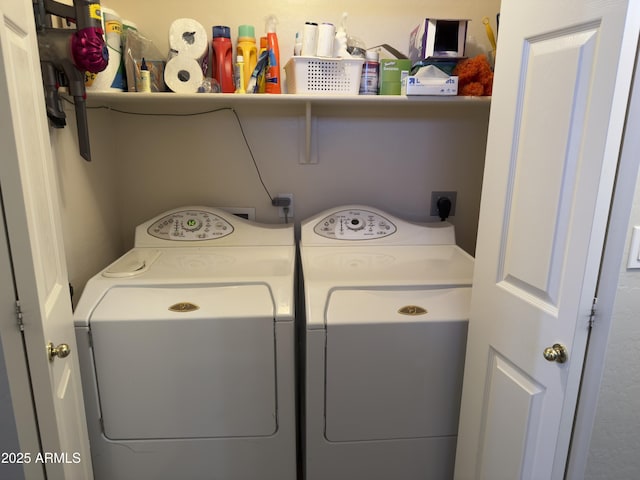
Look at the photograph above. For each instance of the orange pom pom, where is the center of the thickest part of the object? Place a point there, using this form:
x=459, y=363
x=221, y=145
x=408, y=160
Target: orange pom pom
x=475, y=76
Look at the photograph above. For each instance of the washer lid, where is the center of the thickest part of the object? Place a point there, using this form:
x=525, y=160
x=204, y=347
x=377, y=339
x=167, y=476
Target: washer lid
x=178, y=302
x=195, y=362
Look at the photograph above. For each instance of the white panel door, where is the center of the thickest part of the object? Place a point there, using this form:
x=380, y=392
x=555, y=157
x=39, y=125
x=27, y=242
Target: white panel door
x=30, y=198
x=556, y=121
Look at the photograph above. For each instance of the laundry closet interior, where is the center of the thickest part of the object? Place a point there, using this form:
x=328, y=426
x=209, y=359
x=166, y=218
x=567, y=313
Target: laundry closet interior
x=391, y=153
x=152, y=154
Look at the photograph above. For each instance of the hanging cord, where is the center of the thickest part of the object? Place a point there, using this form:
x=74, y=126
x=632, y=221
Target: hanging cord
x=206, y=112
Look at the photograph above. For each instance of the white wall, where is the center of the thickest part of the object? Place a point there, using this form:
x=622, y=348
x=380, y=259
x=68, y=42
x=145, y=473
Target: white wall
x=615, y=438
x=373, y=21
x=615, y=441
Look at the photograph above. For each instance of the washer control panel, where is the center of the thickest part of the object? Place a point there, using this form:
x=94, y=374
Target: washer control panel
x=190, y=225
x=355, y=225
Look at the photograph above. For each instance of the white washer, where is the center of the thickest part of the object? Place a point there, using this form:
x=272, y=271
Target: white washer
x=186, y=347
x=386, y=306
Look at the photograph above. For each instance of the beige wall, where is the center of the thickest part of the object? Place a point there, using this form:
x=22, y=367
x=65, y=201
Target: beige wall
x=391, y=158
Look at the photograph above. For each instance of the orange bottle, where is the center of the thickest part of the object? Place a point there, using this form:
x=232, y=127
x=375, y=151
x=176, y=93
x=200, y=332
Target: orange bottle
x=273, y=79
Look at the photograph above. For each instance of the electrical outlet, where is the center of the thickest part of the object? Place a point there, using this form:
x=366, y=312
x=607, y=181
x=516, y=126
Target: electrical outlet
x=435, y=196
x=281, y=209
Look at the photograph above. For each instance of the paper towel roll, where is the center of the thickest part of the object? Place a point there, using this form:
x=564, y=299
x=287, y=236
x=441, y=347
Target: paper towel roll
x=112, y=77
x=309, y=39
x=326, y=35
x=188, y=37
x=183, y=74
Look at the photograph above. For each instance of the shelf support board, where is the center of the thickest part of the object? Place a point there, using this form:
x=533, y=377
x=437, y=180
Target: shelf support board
x=308, y=137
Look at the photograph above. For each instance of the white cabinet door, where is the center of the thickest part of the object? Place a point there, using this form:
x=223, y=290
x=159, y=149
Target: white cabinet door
x=30, y=199
x=562, y=79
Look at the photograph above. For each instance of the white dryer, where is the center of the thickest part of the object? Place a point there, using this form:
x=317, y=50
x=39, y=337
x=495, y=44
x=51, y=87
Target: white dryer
x=386, y=306
x=186, y=348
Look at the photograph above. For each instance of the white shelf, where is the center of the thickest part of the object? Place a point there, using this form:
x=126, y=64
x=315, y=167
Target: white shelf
x=306, y=107
x=203, y=101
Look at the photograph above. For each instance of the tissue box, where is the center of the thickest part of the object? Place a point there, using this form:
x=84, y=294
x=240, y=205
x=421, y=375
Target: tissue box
x=438, y=38
x=413, y=85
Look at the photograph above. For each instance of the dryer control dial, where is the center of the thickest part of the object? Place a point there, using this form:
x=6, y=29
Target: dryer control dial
x=190, y=225
x=355, y=225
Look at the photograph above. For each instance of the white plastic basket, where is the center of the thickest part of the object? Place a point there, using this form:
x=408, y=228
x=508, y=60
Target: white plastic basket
x=337, y=76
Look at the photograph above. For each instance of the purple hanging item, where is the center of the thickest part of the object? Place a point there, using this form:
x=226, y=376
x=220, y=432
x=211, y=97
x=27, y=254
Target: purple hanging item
x=89, y=50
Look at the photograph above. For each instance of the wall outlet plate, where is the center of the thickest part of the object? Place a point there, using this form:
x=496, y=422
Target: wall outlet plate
x=434, y=202
x=281, y=209
x=634, y=249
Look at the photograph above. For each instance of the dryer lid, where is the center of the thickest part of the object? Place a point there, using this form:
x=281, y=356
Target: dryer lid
x=394, y=363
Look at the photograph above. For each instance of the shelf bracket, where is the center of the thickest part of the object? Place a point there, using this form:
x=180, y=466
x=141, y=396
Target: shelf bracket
x=308, y=150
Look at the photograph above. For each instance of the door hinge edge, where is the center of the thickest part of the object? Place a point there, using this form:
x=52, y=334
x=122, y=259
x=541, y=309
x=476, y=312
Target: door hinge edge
x=594, y=310
x=19, y=316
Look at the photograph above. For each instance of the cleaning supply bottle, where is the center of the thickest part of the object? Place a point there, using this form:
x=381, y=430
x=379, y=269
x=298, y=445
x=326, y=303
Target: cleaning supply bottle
x=240, y=85
x=370, y=74
x=261, y=77
x=248, y=49
x=272, y=81
x=221, y=58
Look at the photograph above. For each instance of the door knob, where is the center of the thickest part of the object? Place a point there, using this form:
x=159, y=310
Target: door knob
x=61, y=351
x=557, y=353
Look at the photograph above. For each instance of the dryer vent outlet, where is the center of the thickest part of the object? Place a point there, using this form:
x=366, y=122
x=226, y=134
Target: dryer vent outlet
x=435, y=196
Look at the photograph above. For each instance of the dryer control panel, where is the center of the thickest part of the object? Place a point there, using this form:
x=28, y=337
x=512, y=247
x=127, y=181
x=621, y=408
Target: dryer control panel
x=190, y=225
x=355, y=224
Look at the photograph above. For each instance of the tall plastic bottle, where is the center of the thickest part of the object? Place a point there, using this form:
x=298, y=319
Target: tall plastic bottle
x=221, y=59
x=273, y=82
x=248, y=49
x=263, y=48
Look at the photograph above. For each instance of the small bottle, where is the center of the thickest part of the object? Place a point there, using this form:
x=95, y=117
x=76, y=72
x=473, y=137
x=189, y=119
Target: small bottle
x=221, y=59
x=145, y=78
x=370, y=74
x=240, y=75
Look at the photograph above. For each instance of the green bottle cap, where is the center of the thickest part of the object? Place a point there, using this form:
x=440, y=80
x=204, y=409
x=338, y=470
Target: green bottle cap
x=246, y=31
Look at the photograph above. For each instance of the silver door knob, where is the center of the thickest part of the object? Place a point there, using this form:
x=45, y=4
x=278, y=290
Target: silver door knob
x=61, y=351
x=557, y=353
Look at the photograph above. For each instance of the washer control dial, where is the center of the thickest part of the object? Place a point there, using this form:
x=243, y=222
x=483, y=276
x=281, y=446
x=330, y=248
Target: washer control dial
x=355, y=225
x=190, y=225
